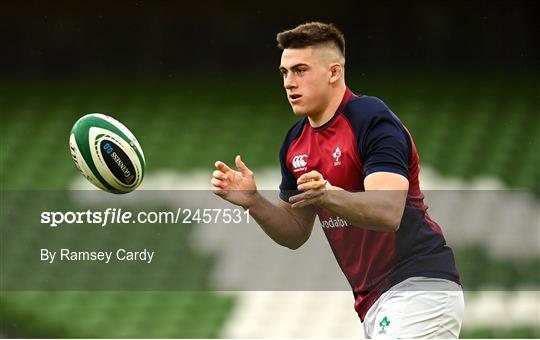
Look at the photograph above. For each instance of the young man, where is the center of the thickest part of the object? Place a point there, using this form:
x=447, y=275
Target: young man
x=351, y=161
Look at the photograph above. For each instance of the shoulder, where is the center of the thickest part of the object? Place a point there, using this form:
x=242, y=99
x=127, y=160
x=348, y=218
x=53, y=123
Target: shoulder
x=364, y=110
x=375, y=124
x=367, y=104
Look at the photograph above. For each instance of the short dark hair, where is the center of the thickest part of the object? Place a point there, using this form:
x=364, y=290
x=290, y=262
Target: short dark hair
x=311, y=33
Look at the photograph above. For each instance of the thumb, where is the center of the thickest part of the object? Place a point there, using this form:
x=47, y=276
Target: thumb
x=242, y=166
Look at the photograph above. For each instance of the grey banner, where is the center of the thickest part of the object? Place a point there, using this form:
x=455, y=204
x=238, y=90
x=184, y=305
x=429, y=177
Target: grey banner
x=194, y=240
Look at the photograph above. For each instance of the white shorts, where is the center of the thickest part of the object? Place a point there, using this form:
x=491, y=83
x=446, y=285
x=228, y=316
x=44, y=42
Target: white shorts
x=418, y=307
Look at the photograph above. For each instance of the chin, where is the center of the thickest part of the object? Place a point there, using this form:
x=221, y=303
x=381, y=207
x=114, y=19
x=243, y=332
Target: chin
x=300, y=111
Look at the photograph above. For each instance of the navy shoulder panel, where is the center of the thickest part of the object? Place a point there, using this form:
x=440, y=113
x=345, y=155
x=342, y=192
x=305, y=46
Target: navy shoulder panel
x=382, y=141
x=367, y=104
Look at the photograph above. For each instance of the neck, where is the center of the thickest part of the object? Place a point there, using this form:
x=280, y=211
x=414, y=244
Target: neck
x=317, y=120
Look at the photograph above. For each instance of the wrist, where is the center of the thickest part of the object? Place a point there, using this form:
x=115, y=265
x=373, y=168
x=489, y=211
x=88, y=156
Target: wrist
x=252, y=201
x=328, y=196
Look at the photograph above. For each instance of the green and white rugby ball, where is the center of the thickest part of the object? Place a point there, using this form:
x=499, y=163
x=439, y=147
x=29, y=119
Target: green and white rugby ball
x=107, y=153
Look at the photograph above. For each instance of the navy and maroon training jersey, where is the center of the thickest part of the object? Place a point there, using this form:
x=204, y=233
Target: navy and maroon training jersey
x=364, y=137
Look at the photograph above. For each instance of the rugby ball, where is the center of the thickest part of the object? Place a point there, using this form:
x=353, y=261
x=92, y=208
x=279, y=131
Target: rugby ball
x=107, y=153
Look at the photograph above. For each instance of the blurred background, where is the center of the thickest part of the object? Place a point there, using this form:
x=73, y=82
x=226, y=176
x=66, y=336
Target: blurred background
x=198, y=81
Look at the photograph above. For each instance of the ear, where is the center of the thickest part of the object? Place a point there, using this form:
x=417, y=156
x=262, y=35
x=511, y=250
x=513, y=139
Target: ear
x=336, y=72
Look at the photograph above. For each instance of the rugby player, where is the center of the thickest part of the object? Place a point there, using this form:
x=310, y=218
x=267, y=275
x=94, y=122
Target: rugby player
x=350, y=161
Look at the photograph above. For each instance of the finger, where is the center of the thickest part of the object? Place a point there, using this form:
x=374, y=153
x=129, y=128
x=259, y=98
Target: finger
x=298, y=198
x=222, y=166
x=310, y=198
x=301, y=204
x=218, y=183
x=305, y=195
x=241, y=166
x=219, y=175
x=314, y=185
x=218, y=191
x=309, y=176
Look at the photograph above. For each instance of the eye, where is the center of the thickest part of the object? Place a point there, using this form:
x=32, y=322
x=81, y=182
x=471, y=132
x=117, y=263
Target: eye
x=301, y=71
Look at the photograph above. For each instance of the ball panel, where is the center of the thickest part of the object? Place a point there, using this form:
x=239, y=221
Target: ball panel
x=113, y=125
x=81, y=131
x=83, y=166
x=128, y=135
x=118, y=162
x=108, y=164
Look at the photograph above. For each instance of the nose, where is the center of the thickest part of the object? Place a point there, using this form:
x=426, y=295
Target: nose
x=289, y=82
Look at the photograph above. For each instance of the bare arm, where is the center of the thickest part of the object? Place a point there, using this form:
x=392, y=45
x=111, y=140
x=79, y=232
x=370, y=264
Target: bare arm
x=379, y=208
x=287, y=226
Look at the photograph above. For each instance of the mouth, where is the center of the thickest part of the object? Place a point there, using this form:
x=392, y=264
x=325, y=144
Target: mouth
x=293, y=98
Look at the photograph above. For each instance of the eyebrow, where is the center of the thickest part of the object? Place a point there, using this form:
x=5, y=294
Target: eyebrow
x=283, y=68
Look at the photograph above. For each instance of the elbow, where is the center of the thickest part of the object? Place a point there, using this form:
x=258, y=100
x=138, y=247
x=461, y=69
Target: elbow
x=393, y=227
x=296, y=240
x=393, y=217
x=388, y=227
x=392, y=221
x=294, y=245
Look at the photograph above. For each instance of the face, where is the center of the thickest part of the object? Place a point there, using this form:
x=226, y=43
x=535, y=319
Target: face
x=307, y=80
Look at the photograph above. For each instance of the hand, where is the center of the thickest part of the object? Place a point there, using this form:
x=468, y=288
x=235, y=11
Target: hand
x=237, y=187
x=314, y=188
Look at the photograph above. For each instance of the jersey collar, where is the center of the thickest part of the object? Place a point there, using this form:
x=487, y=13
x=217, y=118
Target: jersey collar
x=346, y=96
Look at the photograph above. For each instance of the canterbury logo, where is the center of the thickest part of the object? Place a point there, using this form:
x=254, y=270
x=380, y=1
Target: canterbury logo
x=299, y=162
